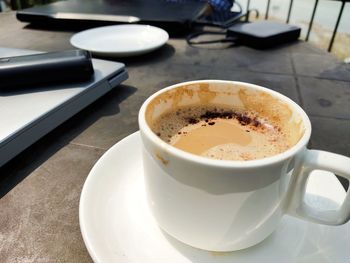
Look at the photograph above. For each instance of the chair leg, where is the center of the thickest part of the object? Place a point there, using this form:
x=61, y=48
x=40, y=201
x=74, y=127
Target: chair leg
x=248, y=5
x=289, y=10
x=248, y=11
x=336, y=26
x=311, y=21
x=267, y=9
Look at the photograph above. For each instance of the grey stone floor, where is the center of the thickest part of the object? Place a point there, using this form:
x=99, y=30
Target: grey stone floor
x=40, y=189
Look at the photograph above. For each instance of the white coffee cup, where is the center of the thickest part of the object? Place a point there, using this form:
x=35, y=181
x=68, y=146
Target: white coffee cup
x=222, y=205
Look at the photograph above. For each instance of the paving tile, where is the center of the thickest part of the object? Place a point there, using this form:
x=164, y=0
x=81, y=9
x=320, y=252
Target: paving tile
x=41, y=213
x=241, y=57
x=284, y=84
x=174, y=73
x=107, y=120
x=331, y=135
x=302, y=47
x=319, y=65
x=249, y=59
x=323, y=97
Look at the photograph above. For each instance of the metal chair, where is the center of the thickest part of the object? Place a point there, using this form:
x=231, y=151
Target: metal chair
x=336, y=24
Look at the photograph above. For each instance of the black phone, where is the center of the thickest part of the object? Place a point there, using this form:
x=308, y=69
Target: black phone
x=45, y=69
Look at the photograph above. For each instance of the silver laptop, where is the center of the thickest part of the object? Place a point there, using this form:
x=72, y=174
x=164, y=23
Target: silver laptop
x=26, y=115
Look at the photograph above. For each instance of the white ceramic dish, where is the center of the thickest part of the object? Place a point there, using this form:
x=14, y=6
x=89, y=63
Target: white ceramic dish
x=120, y=40
x=118, y=227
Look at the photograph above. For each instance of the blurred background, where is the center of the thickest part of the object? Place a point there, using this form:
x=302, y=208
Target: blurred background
x=325, y=18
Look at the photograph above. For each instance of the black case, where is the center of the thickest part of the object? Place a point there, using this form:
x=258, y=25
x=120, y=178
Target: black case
x=45, y=68
x=262, y=35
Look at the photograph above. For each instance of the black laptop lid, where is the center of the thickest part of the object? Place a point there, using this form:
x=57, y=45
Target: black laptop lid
x=115, y=11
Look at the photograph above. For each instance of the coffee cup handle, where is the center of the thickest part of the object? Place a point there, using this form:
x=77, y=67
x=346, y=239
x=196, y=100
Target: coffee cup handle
x=320, y=160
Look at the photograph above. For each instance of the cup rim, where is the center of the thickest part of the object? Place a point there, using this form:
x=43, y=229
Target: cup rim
x=180, y=154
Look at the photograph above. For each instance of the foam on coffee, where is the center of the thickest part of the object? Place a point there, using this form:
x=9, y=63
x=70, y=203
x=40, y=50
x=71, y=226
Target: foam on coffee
x=219, y=132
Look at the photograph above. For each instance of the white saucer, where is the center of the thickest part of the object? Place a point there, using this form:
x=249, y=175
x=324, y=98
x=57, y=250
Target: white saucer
x=120, y=40
x=117, y=226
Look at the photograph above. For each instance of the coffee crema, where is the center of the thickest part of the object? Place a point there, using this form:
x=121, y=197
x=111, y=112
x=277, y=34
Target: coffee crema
x=219, y=132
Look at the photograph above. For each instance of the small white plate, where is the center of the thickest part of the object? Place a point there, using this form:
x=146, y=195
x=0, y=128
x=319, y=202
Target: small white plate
x=118, y=227
x=120, y=40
